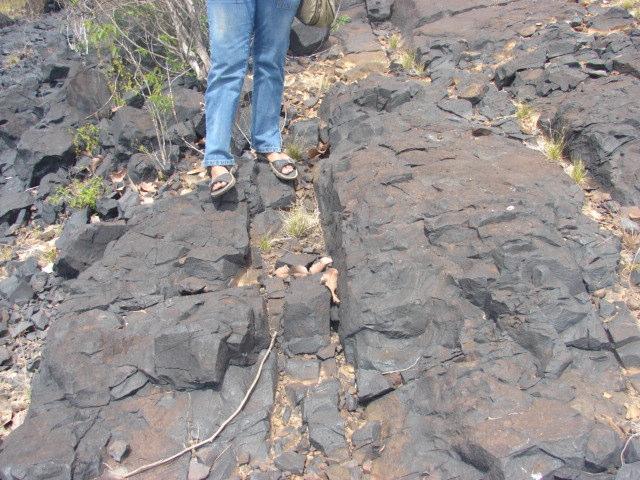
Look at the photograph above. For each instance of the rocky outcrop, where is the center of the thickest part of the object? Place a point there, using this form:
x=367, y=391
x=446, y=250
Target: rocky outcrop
x=466, y=263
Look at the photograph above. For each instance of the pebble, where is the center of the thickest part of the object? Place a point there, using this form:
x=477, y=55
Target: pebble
x=118, y=450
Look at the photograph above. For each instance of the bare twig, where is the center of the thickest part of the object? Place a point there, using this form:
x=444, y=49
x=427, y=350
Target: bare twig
x=191, y=448
x=403, y=369
x=626, y=444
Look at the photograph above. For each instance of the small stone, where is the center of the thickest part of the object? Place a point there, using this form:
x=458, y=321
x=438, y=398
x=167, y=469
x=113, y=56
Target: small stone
x=243, y=458
x=191, y=286
x=351, y=403
x=290, y=462
x=633, y=303
x=118, y=450
x=371, y=384
x=327, y=352
x=600, y=293
x=629, y=226
x=634, y=213
x=20, y=328
x=368, y=434
x=197, y=471
x=303, y=370
x=5, y=356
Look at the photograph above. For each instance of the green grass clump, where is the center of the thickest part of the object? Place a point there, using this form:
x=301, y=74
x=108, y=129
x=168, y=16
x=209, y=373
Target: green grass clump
x=299, y=222
x=87, y=139
x=409, y=62
x=80, y=193
x=265, y=244
x=633, y=6
x=49, y=255
x=16, y=8
x=553, y=147
x=6, y=253
x=294, y=151
x=394, y=41
x=578, y=171
x=340, y=21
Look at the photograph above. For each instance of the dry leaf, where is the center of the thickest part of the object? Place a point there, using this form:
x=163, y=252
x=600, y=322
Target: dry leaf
x=95, y=162
x=196, y=171
x=299, y=271
x=633, y=412
x=117, y=176
x=320, y=265
x=634, y=213
x=282, y=272
x=148, y=187
x=330, y=280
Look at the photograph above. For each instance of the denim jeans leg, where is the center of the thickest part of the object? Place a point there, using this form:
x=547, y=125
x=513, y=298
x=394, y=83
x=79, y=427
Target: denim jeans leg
x=273, y=20
x=230, y=29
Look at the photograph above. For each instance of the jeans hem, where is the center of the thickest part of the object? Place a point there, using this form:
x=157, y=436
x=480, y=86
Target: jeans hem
x=224, y=162
x=269, y=149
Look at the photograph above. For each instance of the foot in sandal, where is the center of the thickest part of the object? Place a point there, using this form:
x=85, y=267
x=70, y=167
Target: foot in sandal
x=283, y=165
x=222, y=179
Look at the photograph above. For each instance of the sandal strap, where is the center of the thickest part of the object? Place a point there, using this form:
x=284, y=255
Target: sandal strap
x=281, y=163
x=223, y=177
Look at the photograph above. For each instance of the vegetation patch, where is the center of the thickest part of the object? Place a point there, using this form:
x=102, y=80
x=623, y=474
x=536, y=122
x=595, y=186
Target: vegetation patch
x=340, y=21
x=527, y=117
x=578, y=171
x=299, y=223
x=633, y=6
x=553, y=147
x=87, y=139
x=409, y=62
x=294, y=151
x=80, y=193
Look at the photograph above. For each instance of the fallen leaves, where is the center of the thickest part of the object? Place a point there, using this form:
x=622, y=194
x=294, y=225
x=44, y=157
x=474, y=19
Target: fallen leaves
x=330, y=280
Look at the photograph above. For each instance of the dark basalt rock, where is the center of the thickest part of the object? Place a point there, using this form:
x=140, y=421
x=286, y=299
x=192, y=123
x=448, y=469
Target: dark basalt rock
x=320, y=414
x=44, y=150
x=445, y=264
x=127, y=356
x=379, y=10
x=306, y=316
x=305, y=39
x=81, y=245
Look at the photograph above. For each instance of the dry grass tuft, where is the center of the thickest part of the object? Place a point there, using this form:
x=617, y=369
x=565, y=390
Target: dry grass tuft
x=299, y=223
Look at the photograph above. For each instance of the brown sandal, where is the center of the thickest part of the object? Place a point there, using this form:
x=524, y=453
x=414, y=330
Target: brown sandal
x=227, y=178
x=278, y=165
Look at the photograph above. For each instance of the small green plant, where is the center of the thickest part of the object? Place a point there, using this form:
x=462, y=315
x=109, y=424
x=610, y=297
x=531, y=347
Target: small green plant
x=49, y=255
x=87, y=139
x=409, y=62
x=394, y=41
x=265, y=243
x=79, y=194
x=298, y=222
x=6, y=253
x=578, y=171
x=294, y=151
x=633, y=6
x=553, y=147
x=527, y=117
x=523, y=111
x=340, y=21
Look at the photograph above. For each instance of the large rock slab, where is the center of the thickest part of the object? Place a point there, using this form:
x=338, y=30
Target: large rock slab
x=131, y=361
x=599, y=123
x=465, y=263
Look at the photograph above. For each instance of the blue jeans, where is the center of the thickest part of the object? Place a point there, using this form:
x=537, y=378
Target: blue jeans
x=233, y=24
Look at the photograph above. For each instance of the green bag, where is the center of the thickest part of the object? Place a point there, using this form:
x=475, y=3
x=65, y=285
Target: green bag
x=317, y=13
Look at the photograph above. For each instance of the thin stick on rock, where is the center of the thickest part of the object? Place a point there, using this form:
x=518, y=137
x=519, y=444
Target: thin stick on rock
x=163, y=461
